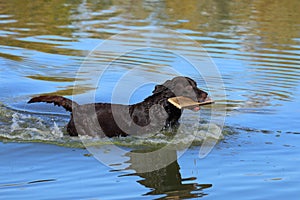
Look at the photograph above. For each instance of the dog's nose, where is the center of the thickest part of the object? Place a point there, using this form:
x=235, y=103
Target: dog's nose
x=205, y=99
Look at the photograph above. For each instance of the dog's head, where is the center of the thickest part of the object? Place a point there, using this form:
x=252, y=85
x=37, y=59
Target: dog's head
x=182, y=86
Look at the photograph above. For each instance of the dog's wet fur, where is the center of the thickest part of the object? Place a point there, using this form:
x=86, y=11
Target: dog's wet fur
x=153, y=114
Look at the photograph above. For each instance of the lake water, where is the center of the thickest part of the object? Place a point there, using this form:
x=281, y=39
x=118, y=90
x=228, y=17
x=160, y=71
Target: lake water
x=246, y=54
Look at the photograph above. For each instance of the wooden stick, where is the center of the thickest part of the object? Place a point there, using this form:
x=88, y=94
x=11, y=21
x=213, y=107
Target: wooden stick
x=183, y=102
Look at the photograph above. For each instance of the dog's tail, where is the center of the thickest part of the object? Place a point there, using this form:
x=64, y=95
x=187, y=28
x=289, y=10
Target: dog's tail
x=57, y=100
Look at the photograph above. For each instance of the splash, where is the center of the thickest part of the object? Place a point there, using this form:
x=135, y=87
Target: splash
x=20, y=126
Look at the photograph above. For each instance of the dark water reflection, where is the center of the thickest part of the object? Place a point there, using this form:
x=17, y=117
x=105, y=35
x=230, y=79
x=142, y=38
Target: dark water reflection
x=167, y=181
x=254, y=44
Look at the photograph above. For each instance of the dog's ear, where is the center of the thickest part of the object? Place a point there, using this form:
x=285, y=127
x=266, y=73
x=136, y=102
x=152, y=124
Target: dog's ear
x=158, y=89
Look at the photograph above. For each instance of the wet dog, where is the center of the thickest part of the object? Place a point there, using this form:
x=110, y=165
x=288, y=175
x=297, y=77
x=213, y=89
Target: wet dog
x=153, y=114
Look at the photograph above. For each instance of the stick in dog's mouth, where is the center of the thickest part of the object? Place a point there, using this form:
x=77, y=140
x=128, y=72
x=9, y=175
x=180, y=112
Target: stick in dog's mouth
x=185, y=102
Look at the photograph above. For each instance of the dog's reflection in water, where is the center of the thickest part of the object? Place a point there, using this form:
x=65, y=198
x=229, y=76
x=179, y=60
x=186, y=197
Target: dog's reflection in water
x=164, y=180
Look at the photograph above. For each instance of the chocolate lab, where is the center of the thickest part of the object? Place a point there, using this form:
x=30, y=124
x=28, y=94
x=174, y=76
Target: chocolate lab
x=153, y=114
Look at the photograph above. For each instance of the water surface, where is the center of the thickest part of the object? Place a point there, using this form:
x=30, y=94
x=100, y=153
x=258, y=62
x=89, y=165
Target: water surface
x=254, y=44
